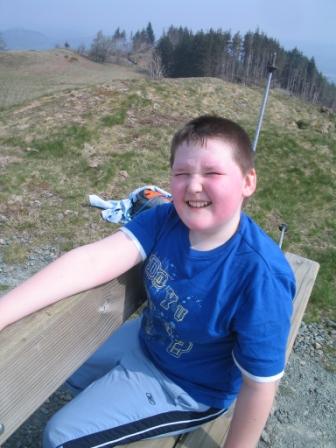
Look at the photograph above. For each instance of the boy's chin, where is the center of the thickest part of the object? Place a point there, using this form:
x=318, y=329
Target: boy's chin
x=197, y=225
x=209, y=226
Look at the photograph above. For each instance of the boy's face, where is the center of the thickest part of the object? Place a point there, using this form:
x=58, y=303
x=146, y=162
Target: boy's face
x=208, y=187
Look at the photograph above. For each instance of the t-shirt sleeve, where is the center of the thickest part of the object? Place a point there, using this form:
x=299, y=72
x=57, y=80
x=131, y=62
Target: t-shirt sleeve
x=145, y=228
x=262, y=326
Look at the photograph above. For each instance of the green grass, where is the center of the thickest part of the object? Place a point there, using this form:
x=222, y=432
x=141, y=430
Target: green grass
x=329, y=360
x=297, y=187
x=64, y=142
x=133, y=101
x=114, y=119
x=137, y=100
x=14, y=253
x=323, y=297
x=12, y=141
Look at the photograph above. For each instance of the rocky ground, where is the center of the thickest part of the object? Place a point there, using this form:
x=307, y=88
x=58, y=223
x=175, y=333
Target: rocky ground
x=305, y=410
x=304, y=414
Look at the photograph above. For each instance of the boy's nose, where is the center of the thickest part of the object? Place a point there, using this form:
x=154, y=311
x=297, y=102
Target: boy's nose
x=195, y=184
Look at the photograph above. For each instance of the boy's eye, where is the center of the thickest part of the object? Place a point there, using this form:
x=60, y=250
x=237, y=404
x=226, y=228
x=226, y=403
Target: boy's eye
x=213, y=173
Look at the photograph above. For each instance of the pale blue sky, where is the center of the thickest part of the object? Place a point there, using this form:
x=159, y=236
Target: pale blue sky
x=308, y=24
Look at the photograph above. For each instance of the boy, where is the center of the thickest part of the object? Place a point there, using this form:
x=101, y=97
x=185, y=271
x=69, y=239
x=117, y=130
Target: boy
x=218, y=316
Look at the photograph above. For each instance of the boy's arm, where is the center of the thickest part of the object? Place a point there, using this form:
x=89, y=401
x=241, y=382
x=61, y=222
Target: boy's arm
x=251, y=411
x=78, y=270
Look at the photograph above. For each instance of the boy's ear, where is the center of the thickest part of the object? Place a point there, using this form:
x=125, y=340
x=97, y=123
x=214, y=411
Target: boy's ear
x=250, y=183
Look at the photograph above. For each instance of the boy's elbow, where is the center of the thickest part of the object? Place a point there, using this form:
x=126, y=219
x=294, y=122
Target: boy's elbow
x=260, y=386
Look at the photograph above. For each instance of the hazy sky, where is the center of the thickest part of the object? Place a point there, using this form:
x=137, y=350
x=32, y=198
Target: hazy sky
x=308, y=24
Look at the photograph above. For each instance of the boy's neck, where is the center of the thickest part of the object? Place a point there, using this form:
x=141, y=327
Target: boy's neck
x=204, y=241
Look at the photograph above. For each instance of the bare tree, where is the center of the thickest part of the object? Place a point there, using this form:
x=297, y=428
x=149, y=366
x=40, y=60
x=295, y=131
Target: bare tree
x=155, y=66
x=81, y=50
x=101, y=47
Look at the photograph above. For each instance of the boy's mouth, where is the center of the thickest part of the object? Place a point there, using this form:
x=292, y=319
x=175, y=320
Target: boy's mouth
x=198, y=204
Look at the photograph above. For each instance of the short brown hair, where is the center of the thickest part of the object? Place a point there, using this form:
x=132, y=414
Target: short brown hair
x=212, y=126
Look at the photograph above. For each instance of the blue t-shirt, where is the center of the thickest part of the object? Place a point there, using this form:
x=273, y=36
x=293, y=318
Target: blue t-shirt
x=214, y=314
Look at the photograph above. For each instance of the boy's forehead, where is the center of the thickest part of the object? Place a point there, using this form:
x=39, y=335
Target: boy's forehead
x=208, y=143
x=211, y=148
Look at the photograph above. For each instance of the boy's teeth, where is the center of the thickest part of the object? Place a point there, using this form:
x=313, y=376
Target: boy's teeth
x=198, y=204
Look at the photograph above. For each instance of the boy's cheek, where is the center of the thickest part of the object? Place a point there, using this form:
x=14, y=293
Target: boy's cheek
x=172, y=184
x=176, y=188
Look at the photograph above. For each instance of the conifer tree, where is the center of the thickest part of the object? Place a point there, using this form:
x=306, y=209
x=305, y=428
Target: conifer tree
x=242, y=58
x=165, y=50
x=150, y=34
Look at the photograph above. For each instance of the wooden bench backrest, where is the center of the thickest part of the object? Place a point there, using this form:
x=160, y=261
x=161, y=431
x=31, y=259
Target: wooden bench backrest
x=38, y=353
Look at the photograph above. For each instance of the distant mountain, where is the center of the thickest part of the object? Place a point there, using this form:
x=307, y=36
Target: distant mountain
x=20, y=39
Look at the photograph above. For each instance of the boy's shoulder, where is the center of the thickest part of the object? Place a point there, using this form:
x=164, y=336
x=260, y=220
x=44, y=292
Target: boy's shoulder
x=150, y=225
x=157, y=214
x=262, y=250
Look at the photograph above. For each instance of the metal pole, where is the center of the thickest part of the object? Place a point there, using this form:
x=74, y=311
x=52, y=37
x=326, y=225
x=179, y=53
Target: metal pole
x=283, y=229
x=271, y=68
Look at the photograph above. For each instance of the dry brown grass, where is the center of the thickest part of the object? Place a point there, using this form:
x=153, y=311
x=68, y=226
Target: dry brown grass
x=31, y=74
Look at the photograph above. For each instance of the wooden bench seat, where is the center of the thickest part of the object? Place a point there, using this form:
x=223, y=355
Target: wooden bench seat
x=39, y=352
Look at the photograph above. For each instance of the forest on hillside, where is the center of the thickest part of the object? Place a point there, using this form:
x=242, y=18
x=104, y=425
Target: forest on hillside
x=243, y=59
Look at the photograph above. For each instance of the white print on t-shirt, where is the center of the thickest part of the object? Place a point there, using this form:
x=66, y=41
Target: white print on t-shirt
x=178, y=348
x=158, y=278
x=155, y=273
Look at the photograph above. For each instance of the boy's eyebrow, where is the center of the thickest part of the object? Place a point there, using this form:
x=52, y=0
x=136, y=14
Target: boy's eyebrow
x=213, y=167
x=181, y=165
x=218, y=166
x=186, y=166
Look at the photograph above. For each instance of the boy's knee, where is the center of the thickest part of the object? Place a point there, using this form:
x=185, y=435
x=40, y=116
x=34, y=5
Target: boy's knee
x=48, y=439
x=53, y=436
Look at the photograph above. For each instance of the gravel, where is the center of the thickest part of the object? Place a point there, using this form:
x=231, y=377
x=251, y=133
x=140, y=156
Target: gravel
x=304, y=413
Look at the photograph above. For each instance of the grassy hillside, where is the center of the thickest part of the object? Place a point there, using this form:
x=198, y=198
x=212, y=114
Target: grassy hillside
x=109, y=139
x=25, y=75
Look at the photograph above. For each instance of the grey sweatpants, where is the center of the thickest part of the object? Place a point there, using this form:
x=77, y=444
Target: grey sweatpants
x=122, y=397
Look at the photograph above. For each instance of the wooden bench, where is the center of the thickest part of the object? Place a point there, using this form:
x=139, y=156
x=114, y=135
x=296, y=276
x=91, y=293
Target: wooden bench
x=38, y=353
